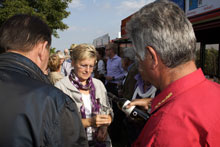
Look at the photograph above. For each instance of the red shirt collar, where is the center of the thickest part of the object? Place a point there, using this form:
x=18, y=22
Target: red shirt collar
x=176, y=88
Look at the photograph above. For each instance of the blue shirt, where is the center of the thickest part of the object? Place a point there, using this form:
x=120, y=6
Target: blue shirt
x=66, y=67
x=114, y=69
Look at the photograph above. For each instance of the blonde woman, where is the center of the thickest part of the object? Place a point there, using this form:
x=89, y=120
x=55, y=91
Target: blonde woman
x=54, y=65
x=89, y=94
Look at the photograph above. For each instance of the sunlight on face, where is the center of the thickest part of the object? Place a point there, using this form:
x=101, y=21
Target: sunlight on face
x=84, y=68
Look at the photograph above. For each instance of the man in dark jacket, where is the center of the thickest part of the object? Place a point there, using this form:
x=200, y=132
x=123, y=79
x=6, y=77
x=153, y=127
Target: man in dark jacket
x=32, y=111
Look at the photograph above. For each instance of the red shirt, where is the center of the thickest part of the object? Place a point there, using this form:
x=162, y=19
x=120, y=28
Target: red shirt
x=186, y=113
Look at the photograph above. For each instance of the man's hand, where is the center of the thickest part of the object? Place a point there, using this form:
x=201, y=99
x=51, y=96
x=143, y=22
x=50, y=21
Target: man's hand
x=109, y=78
x=144, y=103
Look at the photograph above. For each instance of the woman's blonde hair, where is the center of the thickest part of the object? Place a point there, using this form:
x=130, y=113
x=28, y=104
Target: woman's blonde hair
x=54, y=62
x=83, y=51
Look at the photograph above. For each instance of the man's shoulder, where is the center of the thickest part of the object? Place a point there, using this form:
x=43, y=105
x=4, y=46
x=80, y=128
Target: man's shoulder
x=39, y=89
x=209, y=89
x=116, y=60
x=31, y=92
x=50, y=94
x=117, y=57
x=205, y=89
x=48, y=90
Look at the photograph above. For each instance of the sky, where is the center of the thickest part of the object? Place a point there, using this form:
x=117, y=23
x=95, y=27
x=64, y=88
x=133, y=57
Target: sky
x=90, y=19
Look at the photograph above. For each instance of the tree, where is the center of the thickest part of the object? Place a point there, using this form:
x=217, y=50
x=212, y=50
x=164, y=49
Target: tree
x=52, y=50
x=210, y=61
x=51, y=11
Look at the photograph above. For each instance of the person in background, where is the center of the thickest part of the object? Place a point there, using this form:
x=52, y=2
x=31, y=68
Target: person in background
x=114, y=76
x=54, y=66
x=66, y=53
x=33, y=112
x=115, y=72
x=125, y=89
x=61, y=56
x=100, y=69
x=129, y=65
x=134, y=87
x=89, y=94
x=186, y=112
x=67, y=66
x=143, y=90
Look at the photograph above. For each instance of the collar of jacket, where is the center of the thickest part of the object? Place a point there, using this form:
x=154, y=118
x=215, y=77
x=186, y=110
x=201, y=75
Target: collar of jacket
x=21, y=64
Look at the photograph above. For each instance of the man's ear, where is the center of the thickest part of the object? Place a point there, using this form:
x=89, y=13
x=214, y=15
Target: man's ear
x=153, y=55
x=42, y=49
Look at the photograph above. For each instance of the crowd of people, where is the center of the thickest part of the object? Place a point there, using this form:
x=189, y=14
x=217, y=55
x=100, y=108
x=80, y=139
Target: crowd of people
x=61, y=99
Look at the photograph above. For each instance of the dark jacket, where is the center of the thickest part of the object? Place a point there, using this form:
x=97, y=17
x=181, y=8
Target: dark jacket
x=130, y=83
x=32, y=111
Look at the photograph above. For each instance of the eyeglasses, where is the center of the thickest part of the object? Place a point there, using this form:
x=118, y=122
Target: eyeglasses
x=84, y=66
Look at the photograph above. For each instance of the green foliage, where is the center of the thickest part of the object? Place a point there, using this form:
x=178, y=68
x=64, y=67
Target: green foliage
x=210, y=62
x=51, y=11
x=52, y=50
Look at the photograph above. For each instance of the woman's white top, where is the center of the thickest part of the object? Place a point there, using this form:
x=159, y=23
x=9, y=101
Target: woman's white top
x=86, y=98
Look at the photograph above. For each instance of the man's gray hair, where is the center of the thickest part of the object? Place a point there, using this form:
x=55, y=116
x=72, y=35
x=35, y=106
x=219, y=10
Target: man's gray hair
x=129, y=53
x=163, y=26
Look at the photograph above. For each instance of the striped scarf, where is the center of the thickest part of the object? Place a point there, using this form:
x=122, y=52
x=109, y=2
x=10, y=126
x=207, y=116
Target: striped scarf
x=89, y=86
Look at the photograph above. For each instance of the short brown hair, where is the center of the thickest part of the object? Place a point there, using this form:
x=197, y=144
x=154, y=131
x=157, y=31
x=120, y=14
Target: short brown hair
x=83, y=51
x=54, y=62
x=112, y=46
x=22, y=32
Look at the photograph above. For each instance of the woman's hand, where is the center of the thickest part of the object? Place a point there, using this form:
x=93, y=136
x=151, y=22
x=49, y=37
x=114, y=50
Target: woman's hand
x=100, y=120
x=144, y=102
x=97, y=121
